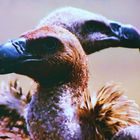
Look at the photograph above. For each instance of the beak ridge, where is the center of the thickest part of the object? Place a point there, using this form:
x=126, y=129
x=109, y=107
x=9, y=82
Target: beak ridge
x=10, y=53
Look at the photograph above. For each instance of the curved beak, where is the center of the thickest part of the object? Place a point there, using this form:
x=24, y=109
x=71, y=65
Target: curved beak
x=11, y=53
x=128, y=35
x=110, y=34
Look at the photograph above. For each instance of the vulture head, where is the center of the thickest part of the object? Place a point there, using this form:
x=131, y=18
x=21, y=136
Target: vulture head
x=49, y=55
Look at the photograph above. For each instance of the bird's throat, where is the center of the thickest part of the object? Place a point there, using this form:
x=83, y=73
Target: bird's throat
x=53, y=110
x=54, y=113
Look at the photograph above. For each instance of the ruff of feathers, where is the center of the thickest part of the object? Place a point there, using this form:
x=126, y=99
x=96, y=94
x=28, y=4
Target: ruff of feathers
x=105, y=113
x=108, y=112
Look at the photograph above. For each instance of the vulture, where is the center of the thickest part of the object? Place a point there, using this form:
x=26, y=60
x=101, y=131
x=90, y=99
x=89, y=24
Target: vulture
x=54, y=55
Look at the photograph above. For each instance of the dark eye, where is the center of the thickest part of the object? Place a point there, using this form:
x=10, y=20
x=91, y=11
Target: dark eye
x=91, y=26
x=45, y=45
x=50, y=44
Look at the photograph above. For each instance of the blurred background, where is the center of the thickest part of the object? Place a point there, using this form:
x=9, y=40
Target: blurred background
x=118, y=64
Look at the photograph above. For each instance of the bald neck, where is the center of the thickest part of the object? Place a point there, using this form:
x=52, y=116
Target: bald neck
x=53, y=109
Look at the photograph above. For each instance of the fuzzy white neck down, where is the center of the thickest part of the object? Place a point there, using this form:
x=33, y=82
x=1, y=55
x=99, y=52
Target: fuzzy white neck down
x=52, y=115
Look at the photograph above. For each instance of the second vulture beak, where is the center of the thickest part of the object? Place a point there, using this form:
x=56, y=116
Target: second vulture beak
x=128, y=35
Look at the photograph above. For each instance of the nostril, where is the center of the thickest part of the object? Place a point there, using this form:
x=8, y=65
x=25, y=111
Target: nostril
x=19, y=46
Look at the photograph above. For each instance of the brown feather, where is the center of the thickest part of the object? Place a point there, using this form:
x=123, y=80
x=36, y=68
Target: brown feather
x=12, y=123
x=108, y=112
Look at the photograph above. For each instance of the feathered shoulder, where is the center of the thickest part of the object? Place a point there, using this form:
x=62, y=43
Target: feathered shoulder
x=12, y=105
x=107, y=112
